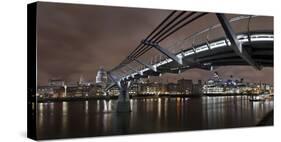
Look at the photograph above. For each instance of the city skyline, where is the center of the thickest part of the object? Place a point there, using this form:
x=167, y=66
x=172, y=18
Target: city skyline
x=160, y=79
x=214, y=85
x=75, y=41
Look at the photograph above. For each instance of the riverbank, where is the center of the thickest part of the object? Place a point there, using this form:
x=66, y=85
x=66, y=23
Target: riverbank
x=134, y=97
x=109, y=98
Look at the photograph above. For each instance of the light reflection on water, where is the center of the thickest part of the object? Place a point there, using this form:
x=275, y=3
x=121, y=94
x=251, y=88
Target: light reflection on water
x=86, y=114
x=40, y=113
x=64, y=117
x=98, y=105
x=97, y=117
x=159, y=108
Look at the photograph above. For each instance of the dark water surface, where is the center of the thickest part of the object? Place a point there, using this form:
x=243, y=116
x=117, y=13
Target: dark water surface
x=98, y=118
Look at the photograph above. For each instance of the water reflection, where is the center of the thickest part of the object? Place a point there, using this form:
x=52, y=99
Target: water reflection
x=41, y=112
x=86, y=107
x=98, y=105
x=159, y=108
x=64, y=117
x=86, y=115
x=97, y=117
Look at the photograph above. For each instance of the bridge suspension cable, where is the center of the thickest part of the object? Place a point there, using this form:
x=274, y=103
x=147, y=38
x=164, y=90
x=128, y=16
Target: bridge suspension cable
x=168, y=26
x=158, y=40
x=142, y=46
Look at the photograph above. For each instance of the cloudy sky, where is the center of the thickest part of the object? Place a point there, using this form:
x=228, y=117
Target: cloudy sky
x=75, y=40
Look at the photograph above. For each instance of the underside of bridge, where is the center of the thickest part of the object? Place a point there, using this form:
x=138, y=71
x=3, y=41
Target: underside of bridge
x=250, y=48
x=261, y=52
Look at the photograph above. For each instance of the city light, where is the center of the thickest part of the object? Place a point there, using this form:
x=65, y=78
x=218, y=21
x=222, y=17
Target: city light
x=214, y=85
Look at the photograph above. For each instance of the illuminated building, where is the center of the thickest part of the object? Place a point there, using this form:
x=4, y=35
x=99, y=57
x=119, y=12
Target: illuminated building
x=45, y=91
x=114, y=91
x=149, y=88
x=83, y=82
x=101, y=81
x=214, y=85
x=81, y=79
x=56, y=82
x=101, y=78
x=134, y=89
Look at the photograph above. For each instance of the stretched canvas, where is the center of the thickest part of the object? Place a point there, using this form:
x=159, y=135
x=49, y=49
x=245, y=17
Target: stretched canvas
x=102, y=70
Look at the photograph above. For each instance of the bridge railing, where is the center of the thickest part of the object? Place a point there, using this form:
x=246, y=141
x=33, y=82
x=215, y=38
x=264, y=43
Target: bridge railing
x=240, y=24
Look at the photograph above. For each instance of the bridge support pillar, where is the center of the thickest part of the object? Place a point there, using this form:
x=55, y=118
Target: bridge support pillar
x=123, y=102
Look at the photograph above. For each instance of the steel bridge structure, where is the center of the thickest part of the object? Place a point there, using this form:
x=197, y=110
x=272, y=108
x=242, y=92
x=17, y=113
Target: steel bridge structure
x=249, y=46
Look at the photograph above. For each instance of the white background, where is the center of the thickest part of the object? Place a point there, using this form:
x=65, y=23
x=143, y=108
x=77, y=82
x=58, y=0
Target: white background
x=13, y=69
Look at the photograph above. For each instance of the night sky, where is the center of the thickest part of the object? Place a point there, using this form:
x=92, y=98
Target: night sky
x=75, y=40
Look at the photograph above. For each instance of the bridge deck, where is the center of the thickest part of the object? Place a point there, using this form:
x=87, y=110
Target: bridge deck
x=219, y=53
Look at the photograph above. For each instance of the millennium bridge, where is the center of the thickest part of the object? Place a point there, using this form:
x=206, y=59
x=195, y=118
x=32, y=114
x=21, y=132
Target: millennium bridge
x=242, y=40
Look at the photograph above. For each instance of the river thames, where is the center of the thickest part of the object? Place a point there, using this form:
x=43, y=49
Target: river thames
x=149, y=115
